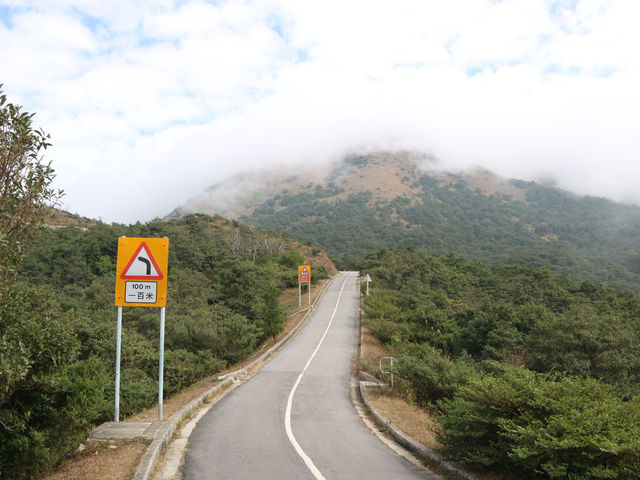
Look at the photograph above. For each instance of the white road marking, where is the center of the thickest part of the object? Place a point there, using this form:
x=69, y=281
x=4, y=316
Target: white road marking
x=287, y=416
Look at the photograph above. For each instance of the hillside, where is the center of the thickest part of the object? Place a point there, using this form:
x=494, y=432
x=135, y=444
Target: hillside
x=523, y=372
x=381, y=200
x=57, y=324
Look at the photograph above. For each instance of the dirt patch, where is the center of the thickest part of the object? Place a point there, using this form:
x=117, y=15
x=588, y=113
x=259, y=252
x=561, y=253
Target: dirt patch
x=411, y=419
x=372, y=349
x=102, y=461
x=385, y=175
x=486, y=182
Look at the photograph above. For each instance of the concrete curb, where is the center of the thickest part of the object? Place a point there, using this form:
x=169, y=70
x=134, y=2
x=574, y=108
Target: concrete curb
x=166, y=431
x=407, y=442
x=367, y=377
x=147, y=465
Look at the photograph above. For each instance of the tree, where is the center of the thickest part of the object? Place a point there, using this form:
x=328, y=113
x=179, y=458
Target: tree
x=35, y=348
x=273, y=315
x=25, y=185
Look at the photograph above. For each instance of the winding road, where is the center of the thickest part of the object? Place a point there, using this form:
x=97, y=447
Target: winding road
x=294, y=419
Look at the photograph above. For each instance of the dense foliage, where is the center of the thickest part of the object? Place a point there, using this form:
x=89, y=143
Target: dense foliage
x=25, y=184
x=592, y=238
x=527, y=371
x=57, y=327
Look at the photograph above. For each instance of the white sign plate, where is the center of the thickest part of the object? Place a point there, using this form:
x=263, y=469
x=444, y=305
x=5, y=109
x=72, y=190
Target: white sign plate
x=141, y=292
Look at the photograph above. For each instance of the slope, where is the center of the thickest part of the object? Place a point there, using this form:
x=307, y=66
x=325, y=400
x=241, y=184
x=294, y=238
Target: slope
x=379, y=200
x=57, y=328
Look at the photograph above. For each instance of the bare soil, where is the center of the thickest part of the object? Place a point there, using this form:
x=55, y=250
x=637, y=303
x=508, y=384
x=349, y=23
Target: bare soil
x=102, y=461
x=411, y=419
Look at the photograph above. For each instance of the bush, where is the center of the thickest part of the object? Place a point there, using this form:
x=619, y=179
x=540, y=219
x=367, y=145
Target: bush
x=384, y=330
x=241, y=337
x=537, y=424
x=432, y=376
x=592, y=344
x=137, y=391
x=40, y=382
x=182, y=368
x=318, y=273
x=291, y=259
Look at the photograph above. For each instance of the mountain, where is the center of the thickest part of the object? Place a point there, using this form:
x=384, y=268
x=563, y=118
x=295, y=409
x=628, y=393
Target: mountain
x=380, y=200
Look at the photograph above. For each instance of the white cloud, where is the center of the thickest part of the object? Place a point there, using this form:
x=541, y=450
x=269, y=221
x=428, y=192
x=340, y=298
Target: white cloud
x=150, y=102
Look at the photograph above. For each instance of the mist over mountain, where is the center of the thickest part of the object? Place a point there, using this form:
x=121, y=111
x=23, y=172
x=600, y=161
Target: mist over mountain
x=380, y=200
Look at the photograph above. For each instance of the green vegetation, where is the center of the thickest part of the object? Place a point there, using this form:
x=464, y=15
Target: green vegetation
x=526, y=371
x=585, y=237
x=57, y=327
x=273, y=314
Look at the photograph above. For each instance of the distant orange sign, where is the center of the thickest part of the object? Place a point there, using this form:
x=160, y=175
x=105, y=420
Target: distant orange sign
x=141, y=272
x=304, y=273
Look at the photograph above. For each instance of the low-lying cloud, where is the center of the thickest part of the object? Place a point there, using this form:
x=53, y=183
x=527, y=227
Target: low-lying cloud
x=149, y=104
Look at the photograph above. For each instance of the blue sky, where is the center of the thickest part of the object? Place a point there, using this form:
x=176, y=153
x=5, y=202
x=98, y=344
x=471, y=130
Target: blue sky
x=150, y=102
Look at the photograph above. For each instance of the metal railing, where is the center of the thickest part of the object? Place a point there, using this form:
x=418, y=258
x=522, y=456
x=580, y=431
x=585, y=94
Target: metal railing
x=390, y=371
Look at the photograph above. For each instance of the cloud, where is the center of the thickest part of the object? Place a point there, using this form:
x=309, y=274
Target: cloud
x=148, y=103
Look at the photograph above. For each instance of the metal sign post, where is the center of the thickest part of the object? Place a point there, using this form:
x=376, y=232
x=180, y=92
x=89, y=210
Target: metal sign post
x=118, y=345
x=161, y=367
x=141, y=281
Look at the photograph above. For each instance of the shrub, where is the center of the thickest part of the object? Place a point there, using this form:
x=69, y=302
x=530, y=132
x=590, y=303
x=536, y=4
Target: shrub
x=182, y=368
x=432, y=376
x=273, y=315
x=291, y=259
x=137, y=391
x=538, y=424
x=592, y=344
x=318, y=273
x=241, y=337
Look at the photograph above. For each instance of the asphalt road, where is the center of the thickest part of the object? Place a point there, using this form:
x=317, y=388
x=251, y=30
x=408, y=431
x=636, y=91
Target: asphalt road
x=295, y=419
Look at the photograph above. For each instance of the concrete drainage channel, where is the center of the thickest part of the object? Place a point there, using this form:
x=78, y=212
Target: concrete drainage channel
x=161, y=432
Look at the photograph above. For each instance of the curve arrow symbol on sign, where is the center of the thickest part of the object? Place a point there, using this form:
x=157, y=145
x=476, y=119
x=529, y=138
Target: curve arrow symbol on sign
x=142, y=266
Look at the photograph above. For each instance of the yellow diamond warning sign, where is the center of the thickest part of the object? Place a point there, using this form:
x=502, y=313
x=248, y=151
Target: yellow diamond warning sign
x=141, y=273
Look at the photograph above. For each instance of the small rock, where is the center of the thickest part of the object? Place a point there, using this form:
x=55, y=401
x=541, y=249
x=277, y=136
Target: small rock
x=81, y=448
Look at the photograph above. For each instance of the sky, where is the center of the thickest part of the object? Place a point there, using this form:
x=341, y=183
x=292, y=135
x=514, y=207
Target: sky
x=150, y=102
